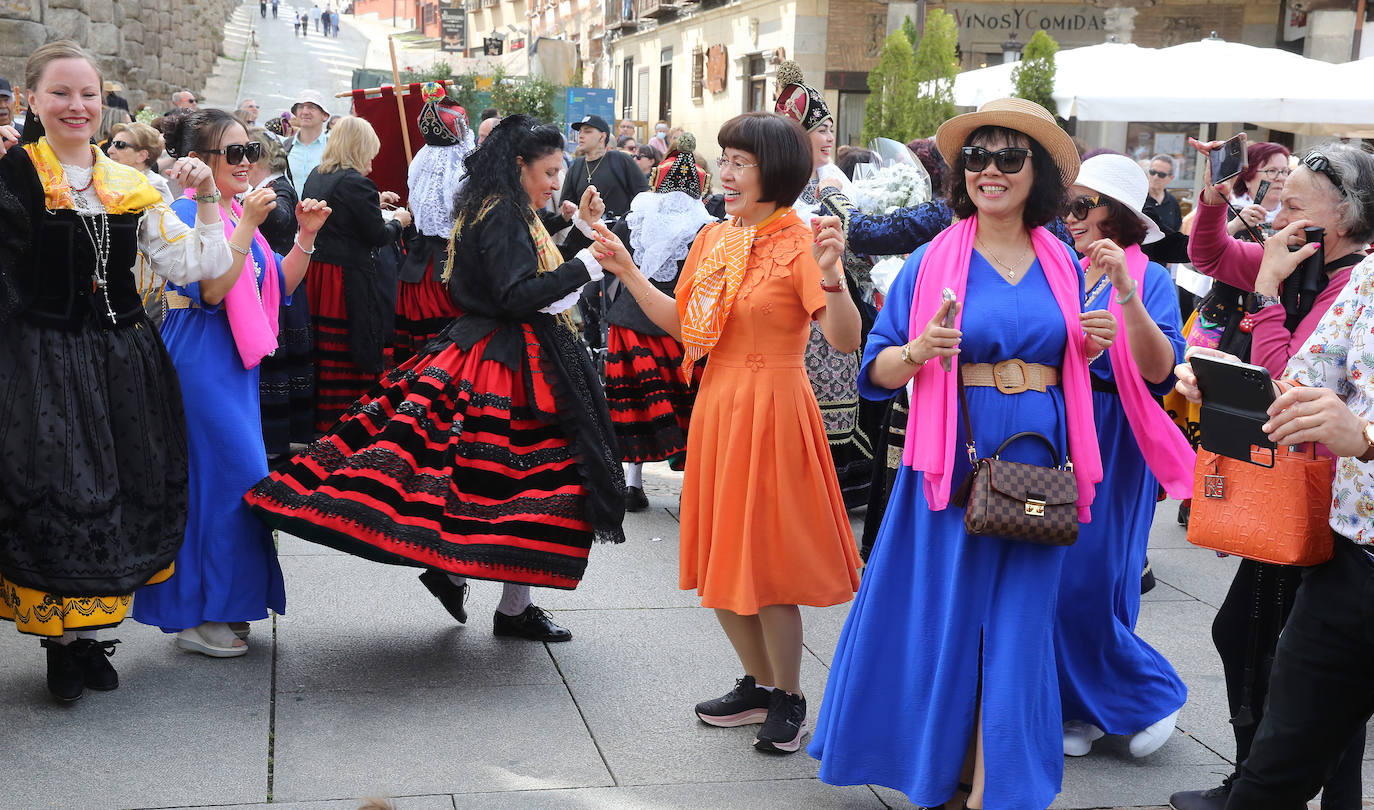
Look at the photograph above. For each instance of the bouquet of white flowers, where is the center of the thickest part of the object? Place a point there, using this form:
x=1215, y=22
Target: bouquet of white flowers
x=897, y=185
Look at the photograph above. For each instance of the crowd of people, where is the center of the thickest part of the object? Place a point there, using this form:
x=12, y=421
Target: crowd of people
x=220, y=327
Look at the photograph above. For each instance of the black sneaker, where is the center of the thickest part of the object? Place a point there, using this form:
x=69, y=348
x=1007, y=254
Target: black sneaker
x=1210, y=799
x=744, y=705
x=65, y=680
x=96, y=670
x=635, y=499
x=782, y=731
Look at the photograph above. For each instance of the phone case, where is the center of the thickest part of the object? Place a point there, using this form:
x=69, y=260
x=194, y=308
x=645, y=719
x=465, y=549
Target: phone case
x=1235, y=406
x=1231, y=431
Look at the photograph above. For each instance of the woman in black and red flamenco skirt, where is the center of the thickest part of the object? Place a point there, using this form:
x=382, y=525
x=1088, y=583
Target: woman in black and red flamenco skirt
x=491, y=455
x=649, y=394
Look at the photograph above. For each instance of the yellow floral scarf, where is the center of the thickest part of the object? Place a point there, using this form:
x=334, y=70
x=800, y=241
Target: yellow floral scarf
x=121, y=189
x=715, y=285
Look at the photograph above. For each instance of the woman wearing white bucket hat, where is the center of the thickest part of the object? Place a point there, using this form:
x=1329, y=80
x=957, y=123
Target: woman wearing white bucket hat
x=1110, y=680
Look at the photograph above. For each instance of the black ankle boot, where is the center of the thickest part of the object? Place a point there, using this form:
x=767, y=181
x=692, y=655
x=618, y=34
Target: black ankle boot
x=96, y=670
x=65, y=680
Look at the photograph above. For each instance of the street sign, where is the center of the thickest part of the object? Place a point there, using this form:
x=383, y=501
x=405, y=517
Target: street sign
x=453, y=29
x=585, y=101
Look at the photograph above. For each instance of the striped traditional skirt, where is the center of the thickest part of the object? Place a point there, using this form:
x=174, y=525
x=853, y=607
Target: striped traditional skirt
x=338, y=381
x=423, y=309
x=444, y=464
x=649, y=395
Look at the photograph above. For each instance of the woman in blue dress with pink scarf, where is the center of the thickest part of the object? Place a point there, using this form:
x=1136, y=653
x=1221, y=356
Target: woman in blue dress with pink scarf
x=227, y=571
x=943, y=682
x=1110, y=680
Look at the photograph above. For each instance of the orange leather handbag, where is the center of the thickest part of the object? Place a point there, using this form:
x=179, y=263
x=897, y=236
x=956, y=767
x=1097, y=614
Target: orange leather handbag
x=1274, y=508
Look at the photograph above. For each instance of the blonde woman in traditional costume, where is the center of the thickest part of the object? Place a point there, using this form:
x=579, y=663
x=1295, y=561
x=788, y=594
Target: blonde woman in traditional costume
x=93, y=458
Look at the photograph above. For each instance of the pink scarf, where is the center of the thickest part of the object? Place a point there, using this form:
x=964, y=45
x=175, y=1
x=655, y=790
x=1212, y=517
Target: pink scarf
x=252, y=313
x=1166, y=451
x=932, y=427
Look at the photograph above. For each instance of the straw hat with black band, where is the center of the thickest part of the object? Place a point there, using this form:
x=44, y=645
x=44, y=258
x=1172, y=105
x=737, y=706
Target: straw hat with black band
x=1017, y=114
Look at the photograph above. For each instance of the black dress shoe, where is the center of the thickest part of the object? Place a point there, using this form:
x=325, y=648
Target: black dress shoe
x=449, y=595
x=534, y=624
x=635, y=499
x=65, y=679
x=96, y=670
x=1147, y=579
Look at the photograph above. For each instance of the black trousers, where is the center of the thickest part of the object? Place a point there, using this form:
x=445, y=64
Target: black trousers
x=1321, y=688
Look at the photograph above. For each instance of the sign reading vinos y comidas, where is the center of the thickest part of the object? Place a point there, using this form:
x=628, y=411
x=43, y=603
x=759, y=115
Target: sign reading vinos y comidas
x=1071, y=24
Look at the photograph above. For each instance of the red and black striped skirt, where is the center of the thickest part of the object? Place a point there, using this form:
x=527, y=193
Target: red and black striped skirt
x=649, y=396
x=338, y=381
x=444, y=464
x=423, y=309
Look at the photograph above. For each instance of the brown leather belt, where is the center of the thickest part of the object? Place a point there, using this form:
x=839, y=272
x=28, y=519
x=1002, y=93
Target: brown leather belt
x=1010, y=376
x=176, y=300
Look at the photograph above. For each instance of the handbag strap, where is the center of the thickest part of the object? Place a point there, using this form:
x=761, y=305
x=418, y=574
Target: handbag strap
x=963, y=411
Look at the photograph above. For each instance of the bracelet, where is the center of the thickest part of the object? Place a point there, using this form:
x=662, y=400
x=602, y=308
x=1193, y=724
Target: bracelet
x=835, y=288
x=238, y=249
x=1093, y=359
x=212, y=197
x=297, y=243
x=1122, y=299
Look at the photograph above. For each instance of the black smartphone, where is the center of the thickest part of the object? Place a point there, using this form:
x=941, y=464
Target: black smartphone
x=1228, y=160
x=1235, y=405
x=1261, y=191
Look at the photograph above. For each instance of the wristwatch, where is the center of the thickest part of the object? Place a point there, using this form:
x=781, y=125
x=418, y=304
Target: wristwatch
x=212, y=197
x=1262, y=301
x=906, y=355
x=1368, y=432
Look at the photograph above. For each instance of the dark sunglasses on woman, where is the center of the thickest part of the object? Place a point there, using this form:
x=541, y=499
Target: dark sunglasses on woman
x=1083, y=203
x=120, y=145
x=234, y=153
x=1009, y=160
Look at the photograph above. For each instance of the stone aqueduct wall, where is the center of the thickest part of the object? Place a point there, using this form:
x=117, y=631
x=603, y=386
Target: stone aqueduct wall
x=152, y=47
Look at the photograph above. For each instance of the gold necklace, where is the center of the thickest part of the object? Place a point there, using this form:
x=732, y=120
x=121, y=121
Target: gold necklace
x=1009, y=270
x=591, y=171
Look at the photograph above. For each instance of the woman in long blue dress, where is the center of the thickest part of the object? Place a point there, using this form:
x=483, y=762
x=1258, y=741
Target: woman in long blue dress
x=227, y=570
x=1110, y=680
x=947, y=655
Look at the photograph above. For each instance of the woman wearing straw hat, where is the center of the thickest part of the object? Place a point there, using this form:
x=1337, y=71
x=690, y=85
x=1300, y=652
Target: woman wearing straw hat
x=943, y=682
x=1110, y=680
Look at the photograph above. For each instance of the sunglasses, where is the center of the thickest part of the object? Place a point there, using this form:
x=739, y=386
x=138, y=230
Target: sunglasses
x=1158, y=173
x=121, y=145
x=235, y=153
x=1318, y=162
x=1083, y=203
x=1009, y=160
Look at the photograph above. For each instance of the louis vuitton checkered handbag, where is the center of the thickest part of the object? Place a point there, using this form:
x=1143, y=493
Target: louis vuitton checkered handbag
x=1018, y=501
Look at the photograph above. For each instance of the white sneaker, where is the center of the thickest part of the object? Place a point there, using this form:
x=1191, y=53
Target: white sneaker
x=1079, y=737
x=1144, y=743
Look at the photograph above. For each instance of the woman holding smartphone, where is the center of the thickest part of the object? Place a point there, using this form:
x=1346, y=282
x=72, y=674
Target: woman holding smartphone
x=1328, y=190
x=951, y=636
x=1110, y=680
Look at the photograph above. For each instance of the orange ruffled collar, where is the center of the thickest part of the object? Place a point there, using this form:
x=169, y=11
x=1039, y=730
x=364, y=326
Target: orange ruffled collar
x=121, y=189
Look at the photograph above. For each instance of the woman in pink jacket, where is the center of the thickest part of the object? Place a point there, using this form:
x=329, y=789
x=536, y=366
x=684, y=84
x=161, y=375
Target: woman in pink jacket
x=1330, y=189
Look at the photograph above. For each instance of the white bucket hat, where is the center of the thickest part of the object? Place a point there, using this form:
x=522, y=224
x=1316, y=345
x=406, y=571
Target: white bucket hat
x=1122, y=179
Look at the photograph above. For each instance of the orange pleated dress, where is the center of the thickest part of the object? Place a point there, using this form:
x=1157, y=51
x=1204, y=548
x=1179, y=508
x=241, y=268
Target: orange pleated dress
x=763, y=521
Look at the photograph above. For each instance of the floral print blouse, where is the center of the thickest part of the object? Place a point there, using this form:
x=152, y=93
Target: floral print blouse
x=1340, y=355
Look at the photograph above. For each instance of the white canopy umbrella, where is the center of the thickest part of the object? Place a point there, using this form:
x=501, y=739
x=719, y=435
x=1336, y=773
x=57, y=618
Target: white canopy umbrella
x=1197, y=81
x=1346, y=87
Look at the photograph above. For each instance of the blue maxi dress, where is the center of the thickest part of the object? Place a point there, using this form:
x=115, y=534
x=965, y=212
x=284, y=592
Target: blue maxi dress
x=939, y=611
x=227, y=569
x=1109, y=676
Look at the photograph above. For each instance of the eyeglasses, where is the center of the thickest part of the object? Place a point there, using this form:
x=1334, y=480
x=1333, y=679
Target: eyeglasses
x=1009, y=160
x=1275, y=173
x=1159, y=174
x=734, y=165
x=1082, y=204
x=1318, y=162
x=234, y=153
x=121, y=145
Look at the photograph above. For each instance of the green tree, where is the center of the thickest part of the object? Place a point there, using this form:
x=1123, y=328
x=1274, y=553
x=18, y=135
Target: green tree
x=533, y=97
x=892, y=92
x=1034, y=74
x=936, y=67
x=909, y=28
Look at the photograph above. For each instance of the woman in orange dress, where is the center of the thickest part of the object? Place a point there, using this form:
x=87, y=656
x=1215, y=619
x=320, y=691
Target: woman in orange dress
x=764, y=528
